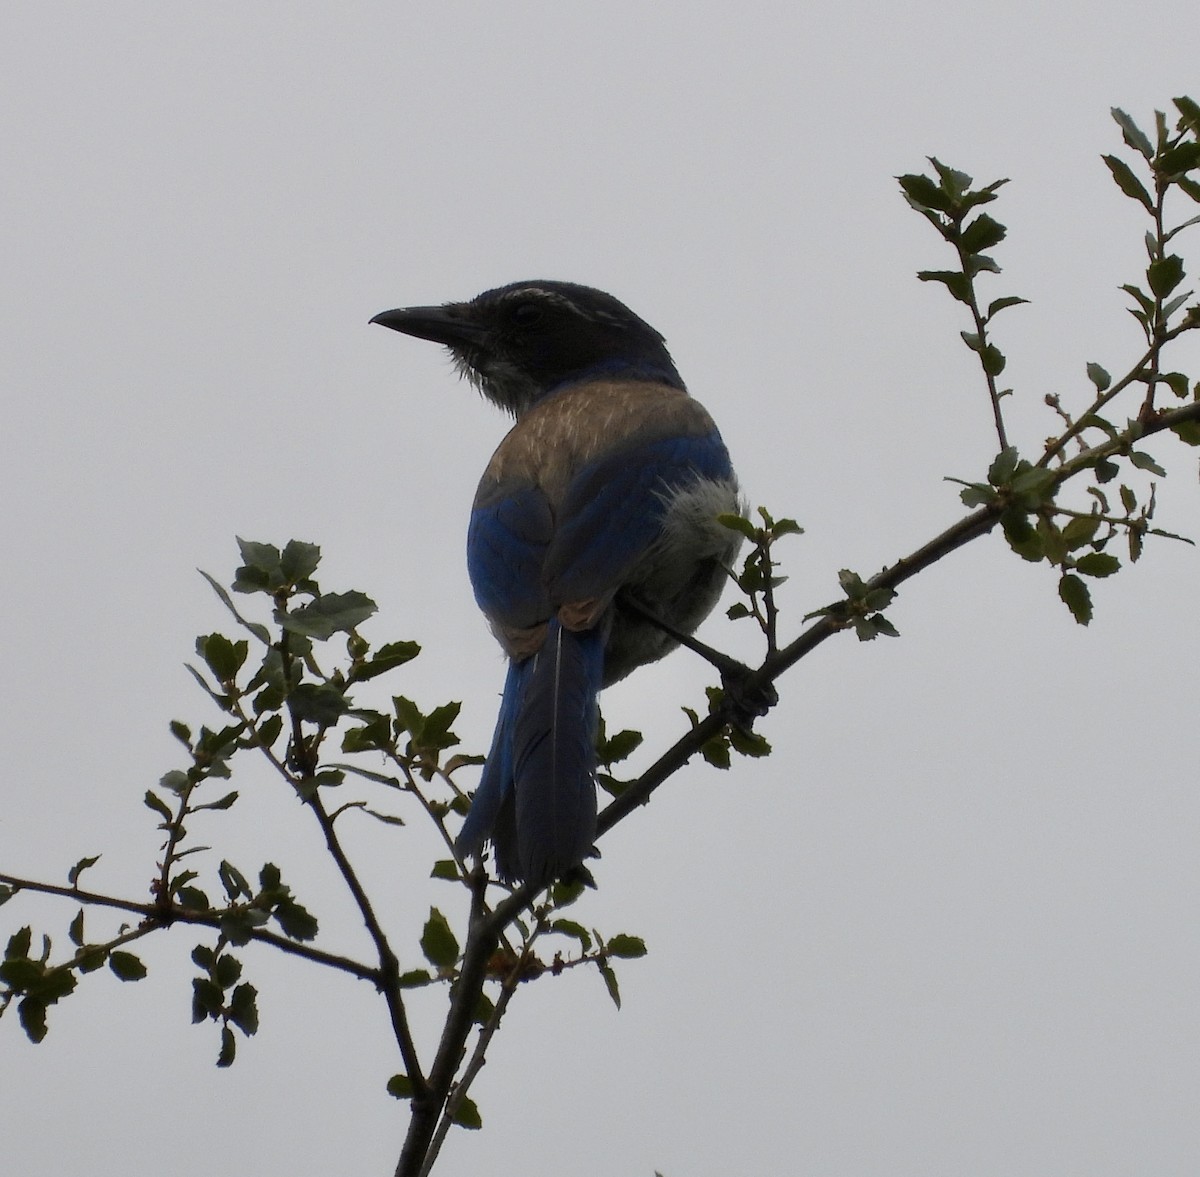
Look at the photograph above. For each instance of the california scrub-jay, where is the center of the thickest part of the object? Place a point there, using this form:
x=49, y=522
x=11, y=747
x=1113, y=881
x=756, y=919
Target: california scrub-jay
x=605, y=491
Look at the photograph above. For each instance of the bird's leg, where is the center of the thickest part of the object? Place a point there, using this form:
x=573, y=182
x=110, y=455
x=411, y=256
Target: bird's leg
x=745, y=702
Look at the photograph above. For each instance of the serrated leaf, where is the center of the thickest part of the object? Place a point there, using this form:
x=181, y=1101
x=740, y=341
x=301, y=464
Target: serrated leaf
x=438, y=942
x=400, y=1087
x=1132, y=133
x=1144, y=461
x=126, y=966
x=317, y=703
x=32, y=1015
x=956, y=282
x=1075, y=595
x=1097, y=564
x=1164, y=274
x=296, y=921
x=1080, y=531
x=387, y=658
x=414, y=979
x=626, y=947
x=223, y=657
x=925, y=192
x=1003, y=466
x=982, y=233
x=1179, y=159
x=243, y=1008
x=299, y=561
x=466, y=1115
x=329, y=614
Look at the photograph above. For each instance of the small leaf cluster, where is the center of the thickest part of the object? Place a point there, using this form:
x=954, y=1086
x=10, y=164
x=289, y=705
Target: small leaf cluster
x=950, y=202
x=220, y=995
x=717, y=750
x=757, y=578
x=862, y=609
x=36, y=982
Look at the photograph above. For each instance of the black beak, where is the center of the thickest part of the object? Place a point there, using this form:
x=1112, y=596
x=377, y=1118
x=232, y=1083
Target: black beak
x=449, y=325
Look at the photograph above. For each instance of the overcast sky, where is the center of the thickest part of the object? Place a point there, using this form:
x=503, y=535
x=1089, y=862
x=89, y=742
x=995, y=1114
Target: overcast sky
x=951, y=926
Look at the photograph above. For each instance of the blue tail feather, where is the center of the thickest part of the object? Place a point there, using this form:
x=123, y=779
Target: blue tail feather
x=537, y=796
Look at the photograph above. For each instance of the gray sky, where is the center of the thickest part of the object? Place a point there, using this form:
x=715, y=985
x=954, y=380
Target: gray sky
x=950, y=927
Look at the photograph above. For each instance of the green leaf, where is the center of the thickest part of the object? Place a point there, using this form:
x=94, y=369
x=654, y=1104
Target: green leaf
x=1074, y=594
x=414, y=979
x=228, y=1051
x=438, y=942
x=466, y=1115
x=317, y=703
x=261, y=568
x=1164, y=274
x=328, y=614
x=400, y=1087
x=243, y=1008
x=925, y=193
x=1022, y=536
x=993, y=360
x=1106, y=470
x=78, y=869
x=742, y=526
x=626, y=947
x=1128, y=182
x=387, y=658
x=155, y=802
x=610, y=982
x=207, y=999
x=223, y=657
x=1003, y=466
x=126, y=966
x=1177, y=160
x=75, y=931
x=751, y=743
x=957, y=283
x=445, y=868
x=1098, y=376
x=999, y=304
x=1080, y=531
x=192, y=898
x=296, y=921
x=32, y=1015
x=953, y=182
x=1145, y=462
x=575, y=930
x=1132, y=134
x=299, y=561
x=6, y=893
x=982, y=233
x=1189, y=112
x=619, y=747
x=1097, y=564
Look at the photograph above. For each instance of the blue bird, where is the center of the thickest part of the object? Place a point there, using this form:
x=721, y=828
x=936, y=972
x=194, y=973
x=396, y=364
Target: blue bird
x=594, y=520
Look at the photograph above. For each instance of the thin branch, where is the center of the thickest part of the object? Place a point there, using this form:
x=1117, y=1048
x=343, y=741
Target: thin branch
x=157, y=915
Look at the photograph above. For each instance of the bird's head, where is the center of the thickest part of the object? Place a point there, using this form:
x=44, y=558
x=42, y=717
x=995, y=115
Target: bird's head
x=520, y=342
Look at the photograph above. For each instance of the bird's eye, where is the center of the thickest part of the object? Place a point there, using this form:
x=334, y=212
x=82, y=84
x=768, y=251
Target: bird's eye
x=525, y=314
